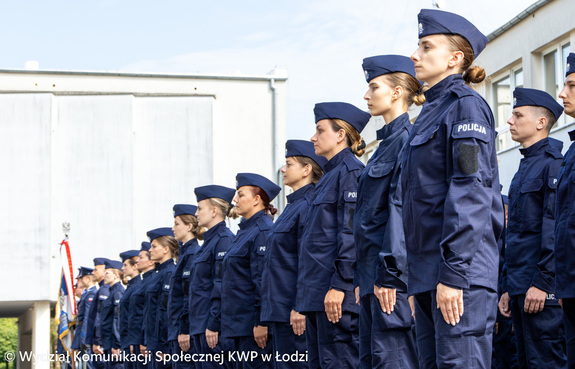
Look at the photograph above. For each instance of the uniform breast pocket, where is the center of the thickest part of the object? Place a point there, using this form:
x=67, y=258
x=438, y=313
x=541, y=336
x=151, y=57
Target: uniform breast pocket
x=381, y=169
x=325, y=223
x=531, y=205
x=284, y=227
x=428, y=147
x=203, y=269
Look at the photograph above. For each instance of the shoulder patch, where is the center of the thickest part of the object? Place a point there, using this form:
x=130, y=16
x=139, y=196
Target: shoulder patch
x=350, y=196
x=471, y=130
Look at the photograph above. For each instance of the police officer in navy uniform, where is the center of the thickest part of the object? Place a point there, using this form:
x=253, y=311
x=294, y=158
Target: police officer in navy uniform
x=565, y=221
x=452, y=208
x=136, y=331
x=205, y=281
x=93, y=336
x=242, y=267
x=130, y=270
x=529, y=257
x=187, y=232
x=385, y=318
x=325, y=280
x=90, y=289
x=110, y=316
x=303, y=169
x=163, y=250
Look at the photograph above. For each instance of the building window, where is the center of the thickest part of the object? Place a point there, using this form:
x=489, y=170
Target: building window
x=554, y=66
x=502, y=92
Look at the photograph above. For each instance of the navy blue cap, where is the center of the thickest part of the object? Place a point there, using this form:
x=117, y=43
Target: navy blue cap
x=570, y=68
x=344, y=111
x=434, y=22
x=155, y=233
x=251, y=179
x=129, y=254
x=83, y=271
x=533, y=97
x=146, y=246
x=181, y=209
x=113, y=264
x=221, y=192
x=304, y=148
x=99, y=261
x=379, y=65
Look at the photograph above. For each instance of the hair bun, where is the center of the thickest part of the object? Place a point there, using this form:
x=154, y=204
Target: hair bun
x=474, y=74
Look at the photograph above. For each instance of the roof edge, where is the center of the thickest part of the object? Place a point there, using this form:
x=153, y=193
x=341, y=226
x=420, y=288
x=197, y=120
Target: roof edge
x=518, y=18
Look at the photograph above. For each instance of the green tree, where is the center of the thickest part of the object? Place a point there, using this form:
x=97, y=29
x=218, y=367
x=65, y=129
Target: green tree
x=8, y=337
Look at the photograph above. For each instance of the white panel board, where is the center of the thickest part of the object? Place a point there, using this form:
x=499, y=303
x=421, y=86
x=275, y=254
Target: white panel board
x=92, y=174
x=173, y=154
x=25, y=196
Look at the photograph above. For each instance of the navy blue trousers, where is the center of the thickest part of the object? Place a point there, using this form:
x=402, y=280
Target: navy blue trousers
x=112, y=363
x=569, y=319
x=247, y=345
x=386, y=341
x=183, y=364
x=504, y=344
x=329, y=345
x=540, y=337
x=224, y=346
x=285, y=343
x=468, y=344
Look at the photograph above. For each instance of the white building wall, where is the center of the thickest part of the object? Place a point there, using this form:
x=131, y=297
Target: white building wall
x=523, y=45
x=111, y=154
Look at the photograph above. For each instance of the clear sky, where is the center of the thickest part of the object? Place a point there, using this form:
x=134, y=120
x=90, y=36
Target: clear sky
x=321, y=43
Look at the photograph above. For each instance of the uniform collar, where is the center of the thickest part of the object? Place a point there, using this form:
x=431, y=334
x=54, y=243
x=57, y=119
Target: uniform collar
x=213, y=231
x=534, y=149
x=338, y=158
x=164, y=265
x=386, y=131
x=148, y=273
x=299, y=194
x=187, y=245
x=572, y=135
x=443, y=86
x=246, y=223
x=132, y=280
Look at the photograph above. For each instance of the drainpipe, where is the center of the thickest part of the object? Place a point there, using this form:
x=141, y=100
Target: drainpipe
x=276, y=145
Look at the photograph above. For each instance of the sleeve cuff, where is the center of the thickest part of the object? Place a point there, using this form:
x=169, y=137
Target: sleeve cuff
x=451, y=278
x=543, y=282
x=338, y=283
x=389, y=280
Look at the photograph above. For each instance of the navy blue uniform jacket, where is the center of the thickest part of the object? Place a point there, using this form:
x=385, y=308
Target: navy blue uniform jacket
x=156, y=309
x=93, y=336
x=328, y=250
x=111, y=317
x=452, y=208
x=83, y=310
x=137, y=303
x=279, y=277
x=529, y=240
x=206, y=280
x=377, y=224
x=241, y=280
x=180, y=286
x=565, y=226
x=126, y=311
